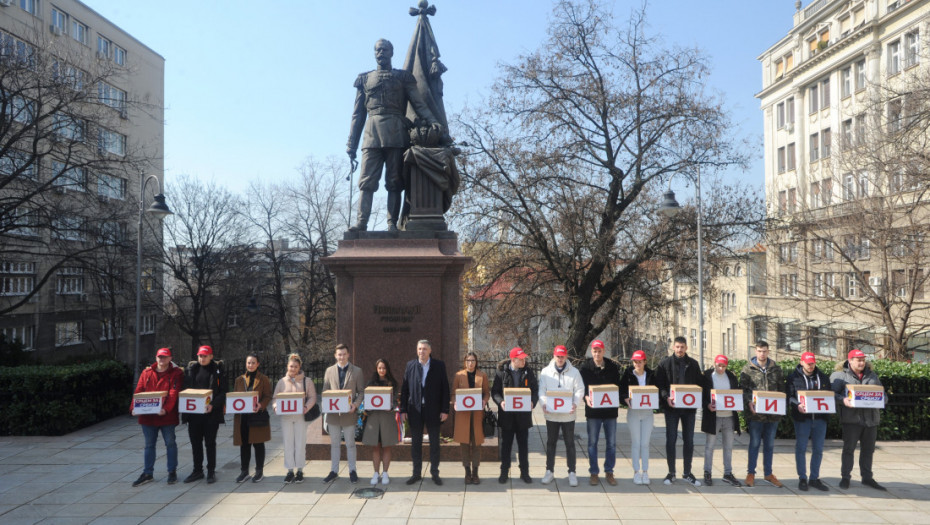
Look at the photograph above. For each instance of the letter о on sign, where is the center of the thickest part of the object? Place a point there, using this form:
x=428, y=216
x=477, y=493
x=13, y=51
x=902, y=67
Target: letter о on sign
x=238, y=404
x=377, y=401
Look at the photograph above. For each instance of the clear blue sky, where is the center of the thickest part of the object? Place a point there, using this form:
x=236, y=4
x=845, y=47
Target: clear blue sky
x=252, y=88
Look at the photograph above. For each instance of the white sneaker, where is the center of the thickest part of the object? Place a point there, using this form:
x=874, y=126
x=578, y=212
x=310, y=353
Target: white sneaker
x=572, y=479
x=375, y=478
x=637, y=478
x=385, y=479
x=645, y=479
x=547, y=479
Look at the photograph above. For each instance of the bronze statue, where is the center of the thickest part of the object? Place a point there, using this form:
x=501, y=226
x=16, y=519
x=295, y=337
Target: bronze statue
x=383, y=95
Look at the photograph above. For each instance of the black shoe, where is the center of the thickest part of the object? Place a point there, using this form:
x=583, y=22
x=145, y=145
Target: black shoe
x=689, y=477
x=289, y=478
x=731, y=479
x=299, y=478
x=211, y=478
x=258, y=476
x=844, y=483
x=525, y=476
x=708, y=480
x=436, y=479
x=872, y=483
x=353, y=477
x=243, y=476
x=172, y=477
x=414, y=479
x=504, y=477
x=669, y=479
x=330, y=477
x=802, y=485
x=142, y=480
x=194, y=476
x=817, y=484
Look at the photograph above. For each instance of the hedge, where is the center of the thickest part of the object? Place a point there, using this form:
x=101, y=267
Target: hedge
x=907, y=412
x=52, y=400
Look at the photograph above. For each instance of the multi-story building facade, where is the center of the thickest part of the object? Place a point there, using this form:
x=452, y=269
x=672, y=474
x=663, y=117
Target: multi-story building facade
x=83, y=126
x=844, y=104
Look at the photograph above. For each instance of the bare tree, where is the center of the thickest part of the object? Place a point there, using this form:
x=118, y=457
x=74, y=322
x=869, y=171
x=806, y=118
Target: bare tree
x=568, y=158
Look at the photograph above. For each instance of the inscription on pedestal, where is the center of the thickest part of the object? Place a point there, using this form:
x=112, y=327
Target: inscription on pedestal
x=397, y=318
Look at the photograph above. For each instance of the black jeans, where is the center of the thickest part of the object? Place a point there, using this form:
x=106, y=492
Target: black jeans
x=416, y=445
x=202, y=430
x=552, y=440
x=523, y=438
x=245, y=449
x=672, y=417
x=865, y=436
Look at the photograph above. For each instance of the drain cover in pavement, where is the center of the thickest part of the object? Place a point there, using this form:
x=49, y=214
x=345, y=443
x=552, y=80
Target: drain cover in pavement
x=369, y=493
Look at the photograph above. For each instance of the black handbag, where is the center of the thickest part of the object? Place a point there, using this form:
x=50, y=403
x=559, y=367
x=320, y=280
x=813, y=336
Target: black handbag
x=490, y=422
x=258, y=419
x=314, y=411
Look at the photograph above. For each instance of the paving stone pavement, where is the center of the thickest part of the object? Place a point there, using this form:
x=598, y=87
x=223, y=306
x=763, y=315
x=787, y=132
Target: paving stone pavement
x=86, y=477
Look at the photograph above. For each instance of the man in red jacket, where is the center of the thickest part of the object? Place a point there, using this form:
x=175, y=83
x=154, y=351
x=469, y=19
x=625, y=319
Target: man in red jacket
x=162, y=376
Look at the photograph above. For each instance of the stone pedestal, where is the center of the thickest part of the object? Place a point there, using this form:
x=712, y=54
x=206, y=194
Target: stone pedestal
x=395, y=289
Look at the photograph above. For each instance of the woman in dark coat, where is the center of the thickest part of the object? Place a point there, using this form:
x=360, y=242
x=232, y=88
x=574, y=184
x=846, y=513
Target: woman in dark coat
x=245, y=436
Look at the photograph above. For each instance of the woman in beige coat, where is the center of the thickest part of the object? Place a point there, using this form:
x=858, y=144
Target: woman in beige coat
x=469, y=430
x=245, y=436
x=293, y=427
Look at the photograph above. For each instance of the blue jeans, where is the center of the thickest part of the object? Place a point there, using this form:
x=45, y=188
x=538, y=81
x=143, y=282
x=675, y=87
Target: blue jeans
x=763, y=433
x=686, y=417
x=816, y=431
x=610, y=435
x=151, y=437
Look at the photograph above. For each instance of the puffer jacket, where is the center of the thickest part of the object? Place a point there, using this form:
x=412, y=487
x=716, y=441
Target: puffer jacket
x=217, y=384
x=504, y=379
x=798, y=380
x=867, y=417
x=569, y=379
x=171, y=381
x=752, y=377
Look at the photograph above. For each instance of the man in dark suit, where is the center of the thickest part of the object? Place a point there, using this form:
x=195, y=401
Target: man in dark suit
x=424, y=401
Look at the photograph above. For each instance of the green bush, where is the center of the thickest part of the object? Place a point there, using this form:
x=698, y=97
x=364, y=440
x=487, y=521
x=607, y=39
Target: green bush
x=57, y=399
x=907, y=412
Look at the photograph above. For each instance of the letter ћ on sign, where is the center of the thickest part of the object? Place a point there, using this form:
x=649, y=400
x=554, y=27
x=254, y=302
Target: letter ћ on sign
x=769, y=402
x=559, y=401
x=378, y=397
x=336, y=401
x=685, y=396
x=289, y=403
x=241, y=402
x=146, y=403
x=194, y=400
x=817, y=401
x=604, y=396
x=727, y=399
x=644, y=397
x=468, y=399
x=518, y=400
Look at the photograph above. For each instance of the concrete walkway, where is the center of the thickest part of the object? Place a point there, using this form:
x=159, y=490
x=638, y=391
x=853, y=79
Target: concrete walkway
x=86, y=477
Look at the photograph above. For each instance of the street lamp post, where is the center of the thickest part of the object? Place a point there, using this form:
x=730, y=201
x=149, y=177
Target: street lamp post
x=670, y=208
x=159, y=210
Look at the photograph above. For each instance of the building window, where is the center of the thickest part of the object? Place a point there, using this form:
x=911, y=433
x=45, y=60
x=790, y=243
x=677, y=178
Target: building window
x=103, y=47
x=788, y=284
x=17, y=278
x=852, y=285
x=894, y=58
x=865, y=248
x=846, y=82
x=59, y=22
x=817, y=251
x=780, y=114
x=67, y=177
x=781, y=159
x=792, y=201
x=790, y=156
x=30, y=6
x=847, y=128
x=782, y=202
x=815, y=195
x=895, y=116
x=111, y=187
x=148, y=279
x=68, y=227
x=111, y=96
x=111, y=329
x=19, y=109
x=826, y=139
x=789, y=110
x=24, y=335
x=738, y=271
x=823, y=341
x=22, y=222
x=788, y=337
x=69, y=333
x=70, y=281
x=813, y=98
x=860, y=75
x=232, y=320
x=148, y=324
x=111, y=142
x=911, y=49
x=815, y=146
x=825, y=93
x=68, y=127
x=829, y=284
x=17, y=162
x=849, y=187
x=826, y=191
x=111, y=233
x=862, y=188
x=817, y=285
x=119, y=55
x=860, y=129
x=79, y=31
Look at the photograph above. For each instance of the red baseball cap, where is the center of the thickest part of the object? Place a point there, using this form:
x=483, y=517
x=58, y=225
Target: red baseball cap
x=517, y=353
x=597, y=343
x=855, y=352
x=559, y=350
x=205, y=350
x=163, y=352
x=639, y=355
x=721, y=359
x=808, y=357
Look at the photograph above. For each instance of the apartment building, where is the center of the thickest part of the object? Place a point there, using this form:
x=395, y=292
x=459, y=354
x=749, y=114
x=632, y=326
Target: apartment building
x=844, y=104
x=82, y=127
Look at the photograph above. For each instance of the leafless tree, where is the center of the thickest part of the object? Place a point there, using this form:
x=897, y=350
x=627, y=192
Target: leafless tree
x=568, y=158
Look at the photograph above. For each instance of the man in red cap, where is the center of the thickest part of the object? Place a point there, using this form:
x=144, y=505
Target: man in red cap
x=807, y=426
x=598, y=370
x=162, y=376
x=514, y=373
x=860, y=425
x=718, y=422
x=560, y=376
x=206, y=374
